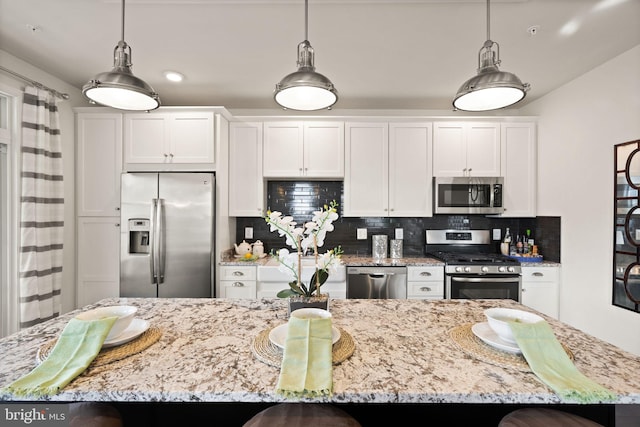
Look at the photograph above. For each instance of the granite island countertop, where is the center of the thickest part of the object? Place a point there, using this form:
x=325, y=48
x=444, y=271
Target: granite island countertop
x=404, y=353
x=348, y=260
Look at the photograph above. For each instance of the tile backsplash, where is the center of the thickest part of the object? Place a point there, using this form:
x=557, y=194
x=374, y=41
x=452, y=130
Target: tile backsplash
x=300, y=198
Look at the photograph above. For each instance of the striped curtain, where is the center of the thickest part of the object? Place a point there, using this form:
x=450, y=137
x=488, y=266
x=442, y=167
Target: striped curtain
x=42, y=209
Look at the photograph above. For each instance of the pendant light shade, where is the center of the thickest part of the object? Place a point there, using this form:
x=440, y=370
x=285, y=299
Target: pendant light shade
x=490, y=89
x=305, y=89
x=119, y=88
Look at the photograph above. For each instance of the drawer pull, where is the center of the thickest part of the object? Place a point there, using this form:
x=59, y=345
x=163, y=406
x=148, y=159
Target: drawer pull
x=238, y=273
x=425, y=289
x=537, y=274
x=238, y=285
x=425, y=273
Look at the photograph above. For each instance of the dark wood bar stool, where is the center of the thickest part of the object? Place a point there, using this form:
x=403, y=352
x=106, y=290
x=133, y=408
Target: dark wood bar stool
x=302, y=415
x=544, y=417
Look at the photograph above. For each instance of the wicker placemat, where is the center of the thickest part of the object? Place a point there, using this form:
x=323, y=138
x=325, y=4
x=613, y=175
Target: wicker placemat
x=267, y=352
x=111, y=354
x=468, y=342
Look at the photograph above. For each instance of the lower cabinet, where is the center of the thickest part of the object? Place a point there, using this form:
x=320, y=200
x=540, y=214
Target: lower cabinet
x=98, y=259
x=237, y=282
x=336, y=290
x=541, y=289
x=425, y=282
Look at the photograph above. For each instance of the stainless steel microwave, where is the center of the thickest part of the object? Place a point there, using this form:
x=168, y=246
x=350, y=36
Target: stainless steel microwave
x=468, y=195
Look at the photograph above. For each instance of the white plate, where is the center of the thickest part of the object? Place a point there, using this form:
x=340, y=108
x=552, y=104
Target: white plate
x=278, y=335
x=488, y=335
x=133, y=331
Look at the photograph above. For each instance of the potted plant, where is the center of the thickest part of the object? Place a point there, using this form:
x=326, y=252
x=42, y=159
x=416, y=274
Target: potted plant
x=302, y=239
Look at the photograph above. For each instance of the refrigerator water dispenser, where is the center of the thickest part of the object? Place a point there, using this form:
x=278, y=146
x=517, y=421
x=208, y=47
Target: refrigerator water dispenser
x=138, y=236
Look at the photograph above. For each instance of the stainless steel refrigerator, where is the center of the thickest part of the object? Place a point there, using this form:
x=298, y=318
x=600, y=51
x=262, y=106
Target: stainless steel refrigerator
x=167, y=235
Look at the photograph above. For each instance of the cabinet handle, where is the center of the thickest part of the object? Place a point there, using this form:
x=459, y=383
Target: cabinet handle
x=117, y=225
x=166, y=155
x=117, y=208
x=425, y=273
x=171, y=155
x=238, y=273
x=238, y=285
x=537, y=274
x=425, y=289
x=524, y=290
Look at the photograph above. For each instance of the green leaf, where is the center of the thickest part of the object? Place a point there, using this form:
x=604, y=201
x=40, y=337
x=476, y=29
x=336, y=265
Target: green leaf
x=286, y=293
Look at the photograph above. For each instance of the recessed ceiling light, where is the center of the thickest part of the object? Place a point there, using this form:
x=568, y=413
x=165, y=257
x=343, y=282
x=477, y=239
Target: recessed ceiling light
x=173, y=76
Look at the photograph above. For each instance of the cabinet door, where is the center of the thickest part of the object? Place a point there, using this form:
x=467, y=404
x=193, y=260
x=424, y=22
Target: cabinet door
x=246, y=186
x=366, y=187
x=449, y=149
x=519, y=166
x=483, y=149
x=146, y=138
x=541, y=289
x=466, y=149
x=283, y=149
x=99, y=164
x=237, y=289
x=98, y=259
x=324, y=149
x=191, y=137
x=410, y=173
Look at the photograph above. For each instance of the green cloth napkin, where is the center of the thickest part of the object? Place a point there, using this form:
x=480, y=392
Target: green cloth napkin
x=77, y=346
x=307, y=362
x=549, y=361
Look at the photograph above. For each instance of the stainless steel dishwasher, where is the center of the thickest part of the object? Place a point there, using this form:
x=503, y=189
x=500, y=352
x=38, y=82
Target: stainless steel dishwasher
x=377, y=282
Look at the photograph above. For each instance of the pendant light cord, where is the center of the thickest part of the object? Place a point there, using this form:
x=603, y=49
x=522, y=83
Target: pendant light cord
x=488, y=20
x=122, y=33
x=306, y=19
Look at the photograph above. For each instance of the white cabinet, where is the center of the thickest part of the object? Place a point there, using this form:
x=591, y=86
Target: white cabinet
x=246, y=186
x=541, y=289
x=303, y=149
x=98, y=262
x=169, y=138
x=425, y=282
x=335, y=289
x=237, y=282
x=387, y=170
x=519, y=166
x=98, y=163
x=466, y=149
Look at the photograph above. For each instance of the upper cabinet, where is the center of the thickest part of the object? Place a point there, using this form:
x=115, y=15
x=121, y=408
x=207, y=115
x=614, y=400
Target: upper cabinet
x=99, y=163
x=519, y=166
x=246, y=186
x=466, y=149
x=303, y=149
x=388, y=170
x=172, y=139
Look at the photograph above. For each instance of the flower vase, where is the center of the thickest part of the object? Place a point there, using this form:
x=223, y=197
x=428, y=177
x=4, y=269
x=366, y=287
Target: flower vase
x=316, y=301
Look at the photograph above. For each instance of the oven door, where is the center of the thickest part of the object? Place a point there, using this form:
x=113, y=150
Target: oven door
x=464, y=286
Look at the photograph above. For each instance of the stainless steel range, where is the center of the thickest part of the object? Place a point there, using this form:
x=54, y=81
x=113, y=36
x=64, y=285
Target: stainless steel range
x=473, y=268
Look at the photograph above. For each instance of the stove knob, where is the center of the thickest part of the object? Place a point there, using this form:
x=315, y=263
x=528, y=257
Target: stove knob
x=467, y=269
x=501, y=269
x=510, y=269
x=458, y=269
x=484, y=269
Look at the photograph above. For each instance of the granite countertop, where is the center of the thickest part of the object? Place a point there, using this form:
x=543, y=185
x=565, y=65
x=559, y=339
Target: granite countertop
x=403, y=354
x=228, y=258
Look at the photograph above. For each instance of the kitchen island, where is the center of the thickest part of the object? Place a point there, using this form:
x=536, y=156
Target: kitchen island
x=404, y=354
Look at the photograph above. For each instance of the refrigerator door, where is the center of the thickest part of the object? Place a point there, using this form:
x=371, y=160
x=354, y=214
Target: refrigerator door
x=186, y=267
x=136, y=231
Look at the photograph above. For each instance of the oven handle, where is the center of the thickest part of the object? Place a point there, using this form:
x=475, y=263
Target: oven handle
x=485, y=279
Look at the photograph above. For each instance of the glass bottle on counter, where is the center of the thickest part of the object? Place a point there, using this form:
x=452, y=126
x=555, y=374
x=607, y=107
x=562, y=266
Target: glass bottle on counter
x=519, y=244
x=505, y=246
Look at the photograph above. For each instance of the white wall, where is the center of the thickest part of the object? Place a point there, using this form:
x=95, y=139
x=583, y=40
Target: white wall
x=579, y=124
x=67, y=131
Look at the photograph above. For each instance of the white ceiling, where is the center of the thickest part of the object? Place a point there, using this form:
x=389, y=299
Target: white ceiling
x=380, y=54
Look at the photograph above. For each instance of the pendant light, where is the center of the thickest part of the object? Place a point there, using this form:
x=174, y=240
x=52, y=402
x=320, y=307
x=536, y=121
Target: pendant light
x=305, y=89
x=491, y=89
x=119, y=88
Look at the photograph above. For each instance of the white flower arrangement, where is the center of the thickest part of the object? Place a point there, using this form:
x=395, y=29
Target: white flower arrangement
x=301, y=239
